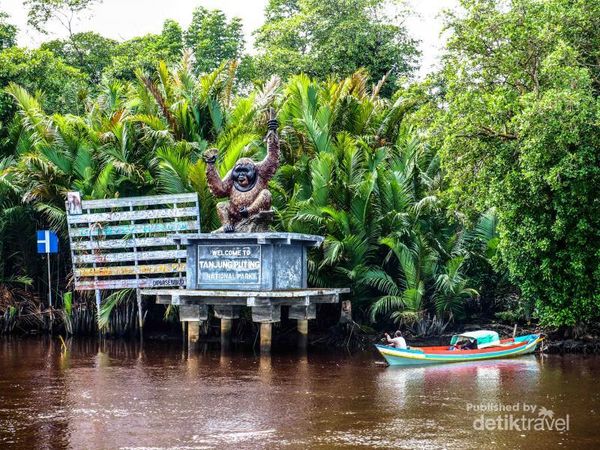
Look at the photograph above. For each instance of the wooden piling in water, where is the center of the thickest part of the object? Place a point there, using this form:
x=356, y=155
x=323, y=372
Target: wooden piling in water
x=193, y=334
x=140, y=313
x=184, y=328
x=265, y=337
x=226, y=325
x=302, y=326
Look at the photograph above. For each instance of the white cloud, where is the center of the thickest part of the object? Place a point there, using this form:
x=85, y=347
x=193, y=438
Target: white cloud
x=426, y=25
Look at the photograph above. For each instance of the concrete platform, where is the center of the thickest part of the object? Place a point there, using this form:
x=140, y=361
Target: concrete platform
x=287, y=297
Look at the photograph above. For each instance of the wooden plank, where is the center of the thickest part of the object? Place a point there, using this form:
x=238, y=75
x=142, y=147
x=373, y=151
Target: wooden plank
x=281, y=301
x=177, y=213
x=138, y=201
x=123, y=243
x=234, y=301
x=292, y=293
x=140, y=228
x=131, y=283
x=241, y=301
x=146, y=214
x=273, y=237
x=224, y=301
x=333, y=298
x=130, y=256
x=129, y=270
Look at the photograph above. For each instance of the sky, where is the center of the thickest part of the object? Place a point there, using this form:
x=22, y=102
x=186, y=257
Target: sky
x=124, y=19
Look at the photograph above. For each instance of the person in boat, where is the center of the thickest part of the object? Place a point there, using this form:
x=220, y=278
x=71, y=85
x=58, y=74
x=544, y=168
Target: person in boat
x=468, y=344
x=457, y=346
x=397, y=341
x=471, y=344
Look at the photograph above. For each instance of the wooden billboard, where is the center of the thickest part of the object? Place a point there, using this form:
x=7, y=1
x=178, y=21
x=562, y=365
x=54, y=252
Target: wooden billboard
x=123, y=243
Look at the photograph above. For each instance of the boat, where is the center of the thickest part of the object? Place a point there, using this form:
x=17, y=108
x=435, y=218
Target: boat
x=470, y=346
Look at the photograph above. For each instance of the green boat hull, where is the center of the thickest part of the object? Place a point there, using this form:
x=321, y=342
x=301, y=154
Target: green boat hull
x=415, y=356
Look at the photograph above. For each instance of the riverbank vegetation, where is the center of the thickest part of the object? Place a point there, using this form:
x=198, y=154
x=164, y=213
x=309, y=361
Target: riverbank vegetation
x=470, y=195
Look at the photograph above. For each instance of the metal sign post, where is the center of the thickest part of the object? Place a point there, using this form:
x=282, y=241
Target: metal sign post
x=49, y=282
x=47, y=242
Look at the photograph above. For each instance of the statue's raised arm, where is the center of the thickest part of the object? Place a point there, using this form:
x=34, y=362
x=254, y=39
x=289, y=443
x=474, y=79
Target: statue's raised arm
x=268, y=166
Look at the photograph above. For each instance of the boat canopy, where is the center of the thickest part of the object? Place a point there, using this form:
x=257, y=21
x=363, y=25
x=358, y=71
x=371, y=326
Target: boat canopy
x=484, y=338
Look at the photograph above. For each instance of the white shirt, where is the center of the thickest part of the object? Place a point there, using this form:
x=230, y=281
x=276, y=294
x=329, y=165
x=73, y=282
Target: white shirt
x=398, y=342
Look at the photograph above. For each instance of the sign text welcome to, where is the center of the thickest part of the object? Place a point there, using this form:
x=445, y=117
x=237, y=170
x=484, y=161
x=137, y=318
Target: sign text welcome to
x=229, y=264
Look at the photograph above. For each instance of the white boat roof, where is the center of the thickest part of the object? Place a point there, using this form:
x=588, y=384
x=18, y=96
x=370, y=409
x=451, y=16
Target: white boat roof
x=479, y=334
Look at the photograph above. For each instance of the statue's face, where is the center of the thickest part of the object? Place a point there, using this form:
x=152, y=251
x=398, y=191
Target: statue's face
x=244, y=176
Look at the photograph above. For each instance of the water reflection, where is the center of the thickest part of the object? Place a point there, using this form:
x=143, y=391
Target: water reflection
x=486, y=381
x=114, y=394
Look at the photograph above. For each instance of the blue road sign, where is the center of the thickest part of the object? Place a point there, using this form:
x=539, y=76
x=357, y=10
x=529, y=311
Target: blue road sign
x=47, y=241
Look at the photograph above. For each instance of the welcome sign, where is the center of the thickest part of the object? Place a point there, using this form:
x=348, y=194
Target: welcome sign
x=229, y=264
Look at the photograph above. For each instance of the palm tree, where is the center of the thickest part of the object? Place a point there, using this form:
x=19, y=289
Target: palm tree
x=350, y=171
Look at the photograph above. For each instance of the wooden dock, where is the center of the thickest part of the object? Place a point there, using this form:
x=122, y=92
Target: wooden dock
x=266, y=307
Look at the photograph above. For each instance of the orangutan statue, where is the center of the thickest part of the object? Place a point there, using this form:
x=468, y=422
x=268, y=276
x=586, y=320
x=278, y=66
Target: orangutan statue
x=245, y=185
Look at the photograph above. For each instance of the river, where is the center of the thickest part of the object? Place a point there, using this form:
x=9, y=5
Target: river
x=121, y=395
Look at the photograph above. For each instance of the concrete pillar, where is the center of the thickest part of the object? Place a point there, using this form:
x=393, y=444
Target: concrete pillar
x=226, y=325
x=265, y=337
x=302, y=326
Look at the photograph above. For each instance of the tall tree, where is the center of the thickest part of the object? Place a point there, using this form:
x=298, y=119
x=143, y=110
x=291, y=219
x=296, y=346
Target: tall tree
x=65, y=12
x=8, y=32
x=145, y=52
x=89, y=52
x=213, y=38
x=335, y=37
x=519, y=130
x=57, y=84
x=172, y=39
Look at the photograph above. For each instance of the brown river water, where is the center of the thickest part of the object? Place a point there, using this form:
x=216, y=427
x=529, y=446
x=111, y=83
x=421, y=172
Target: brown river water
x=159, y=396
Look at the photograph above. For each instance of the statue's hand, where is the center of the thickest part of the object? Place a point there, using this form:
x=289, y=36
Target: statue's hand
x=244, y=212
x=210, y=156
